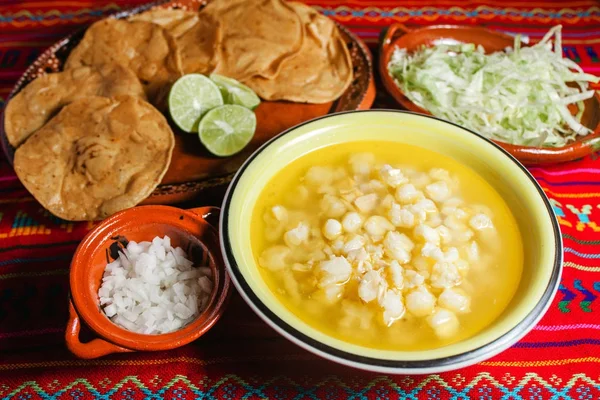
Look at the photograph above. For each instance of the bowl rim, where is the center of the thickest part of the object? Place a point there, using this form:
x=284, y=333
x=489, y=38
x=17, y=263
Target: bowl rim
x=106, y=329
x=434, y=365
x=530, y=155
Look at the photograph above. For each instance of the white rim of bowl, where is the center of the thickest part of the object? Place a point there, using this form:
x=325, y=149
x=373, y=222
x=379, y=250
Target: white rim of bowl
x=428, y=366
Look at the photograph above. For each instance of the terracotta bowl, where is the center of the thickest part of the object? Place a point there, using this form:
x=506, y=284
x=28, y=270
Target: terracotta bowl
x=192, y=230
x=399, y=36
x=193, y=169
x=542, y=244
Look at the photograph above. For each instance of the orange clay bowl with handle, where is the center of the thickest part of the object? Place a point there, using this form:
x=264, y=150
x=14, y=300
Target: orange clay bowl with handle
x=192, y=230
x=399, y=36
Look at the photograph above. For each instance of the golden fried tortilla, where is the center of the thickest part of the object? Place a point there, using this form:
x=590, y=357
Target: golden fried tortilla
x=175, y=21
x=320, y=72
x=41, y=99
x=199, y=46
x=198, y=36
x=96, y=157
x=256, y=36
x=144, y=47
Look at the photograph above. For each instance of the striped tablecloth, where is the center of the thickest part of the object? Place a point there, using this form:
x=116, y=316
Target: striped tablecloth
x=241, y=357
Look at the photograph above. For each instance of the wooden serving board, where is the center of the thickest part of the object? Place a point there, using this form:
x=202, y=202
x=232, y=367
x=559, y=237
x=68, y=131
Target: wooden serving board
x=192, y=168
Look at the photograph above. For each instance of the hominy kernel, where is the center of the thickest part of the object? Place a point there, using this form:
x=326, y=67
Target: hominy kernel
x=378, y=250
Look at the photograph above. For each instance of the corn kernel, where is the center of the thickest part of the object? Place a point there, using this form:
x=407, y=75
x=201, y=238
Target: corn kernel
x=378, y=225
x=318, y=176
x=352, y=222
x=438, y=191
x=420, y=302
x=396, y=275
x=480, y=221
x=332, y=229
x=444, y=323
x=362, y=163
x=393, y=307
x=367, y=203
x=427, y=234
x=393, y=177
x=444, y=275
x=332, y=206
x=407, y=194
x=356, y=242
x=413, y=279
x=398, y=246
x=368, y=286
x=274, y=258
x=297, y=235
x=455, y=300
x=335, y=270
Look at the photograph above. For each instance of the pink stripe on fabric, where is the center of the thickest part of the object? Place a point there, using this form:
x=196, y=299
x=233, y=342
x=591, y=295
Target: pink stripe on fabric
x=553, y=328
x=567, y=172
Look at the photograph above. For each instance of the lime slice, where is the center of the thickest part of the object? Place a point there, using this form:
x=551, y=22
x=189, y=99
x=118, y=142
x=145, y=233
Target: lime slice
x=227, y=129
x=190, y=98
x=235, y=92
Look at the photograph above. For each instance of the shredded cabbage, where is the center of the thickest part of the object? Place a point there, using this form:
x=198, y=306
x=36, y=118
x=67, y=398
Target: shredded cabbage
x=521, y=95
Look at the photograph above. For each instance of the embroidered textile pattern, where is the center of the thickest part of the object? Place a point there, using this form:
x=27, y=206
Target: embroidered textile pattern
x=241, y=357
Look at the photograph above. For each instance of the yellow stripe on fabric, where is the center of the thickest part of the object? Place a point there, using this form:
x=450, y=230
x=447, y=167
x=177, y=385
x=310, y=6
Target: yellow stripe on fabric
x=580, y=267
x=540, y=363
x=580, y=41
x=571, y=195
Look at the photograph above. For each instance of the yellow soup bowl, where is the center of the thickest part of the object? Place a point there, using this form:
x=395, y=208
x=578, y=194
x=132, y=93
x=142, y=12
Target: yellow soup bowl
x=542, y=243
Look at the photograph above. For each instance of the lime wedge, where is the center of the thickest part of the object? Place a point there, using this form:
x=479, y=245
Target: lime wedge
x=227, y=129
x=235, y=92
x=190, y=98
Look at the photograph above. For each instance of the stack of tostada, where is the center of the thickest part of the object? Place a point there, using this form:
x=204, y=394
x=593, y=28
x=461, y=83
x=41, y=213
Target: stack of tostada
x=90, y=140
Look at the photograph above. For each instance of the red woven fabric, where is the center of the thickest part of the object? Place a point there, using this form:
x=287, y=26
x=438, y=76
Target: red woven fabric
x=241, y=357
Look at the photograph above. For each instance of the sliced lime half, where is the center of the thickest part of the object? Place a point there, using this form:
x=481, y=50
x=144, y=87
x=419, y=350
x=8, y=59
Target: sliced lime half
x=235, y=92
x=191, y=97
x=227, y=129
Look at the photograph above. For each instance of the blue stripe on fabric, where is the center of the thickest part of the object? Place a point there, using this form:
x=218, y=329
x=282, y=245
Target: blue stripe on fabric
x=582, y=255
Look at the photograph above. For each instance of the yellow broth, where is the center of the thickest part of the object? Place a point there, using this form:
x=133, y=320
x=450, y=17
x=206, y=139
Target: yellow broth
x=490, y=284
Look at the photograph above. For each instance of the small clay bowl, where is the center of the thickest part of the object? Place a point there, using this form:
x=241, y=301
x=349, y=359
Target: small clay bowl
x=399, y=36
x=192, y=230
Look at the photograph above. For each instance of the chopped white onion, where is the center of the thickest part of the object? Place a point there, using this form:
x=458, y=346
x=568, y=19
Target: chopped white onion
x=153, y=288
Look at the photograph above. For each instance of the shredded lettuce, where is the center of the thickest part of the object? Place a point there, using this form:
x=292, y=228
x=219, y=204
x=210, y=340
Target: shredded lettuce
x=523, y=95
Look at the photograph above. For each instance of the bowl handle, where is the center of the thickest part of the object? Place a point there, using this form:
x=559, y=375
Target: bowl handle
x=92, y=349
x=392, y=32
x=208, y=213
